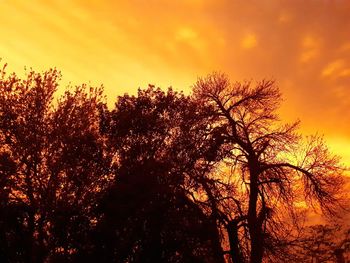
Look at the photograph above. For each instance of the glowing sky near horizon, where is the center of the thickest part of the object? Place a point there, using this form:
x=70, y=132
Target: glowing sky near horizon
x=303, y=45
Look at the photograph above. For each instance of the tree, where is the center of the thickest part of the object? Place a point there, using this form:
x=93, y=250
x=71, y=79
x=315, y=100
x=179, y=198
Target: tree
x=53, y=166
x=148, y=215
x=269, y=165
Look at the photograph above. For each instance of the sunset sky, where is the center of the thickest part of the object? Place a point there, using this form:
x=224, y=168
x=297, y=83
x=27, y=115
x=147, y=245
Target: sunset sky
x=303, y=45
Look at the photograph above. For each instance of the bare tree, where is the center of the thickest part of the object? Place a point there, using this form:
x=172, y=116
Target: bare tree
x=268, y=166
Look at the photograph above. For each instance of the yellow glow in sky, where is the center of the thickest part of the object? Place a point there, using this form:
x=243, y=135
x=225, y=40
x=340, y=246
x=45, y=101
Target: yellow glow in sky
x=249, y=41
x=128, y=44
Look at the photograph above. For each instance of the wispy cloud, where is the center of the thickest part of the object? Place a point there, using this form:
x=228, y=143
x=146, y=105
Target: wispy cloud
x=304, y=45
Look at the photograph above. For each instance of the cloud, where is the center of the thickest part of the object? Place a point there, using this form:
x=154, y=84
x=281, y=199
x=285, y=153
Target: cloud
x=310, y=49
x=333, y=68
x=127, y=44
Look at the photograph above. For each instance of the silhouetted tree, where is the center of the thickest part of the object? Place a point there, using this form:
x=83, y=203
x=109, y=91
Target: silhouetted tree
x=53, y=166
x=267, y=165
x=148, y=215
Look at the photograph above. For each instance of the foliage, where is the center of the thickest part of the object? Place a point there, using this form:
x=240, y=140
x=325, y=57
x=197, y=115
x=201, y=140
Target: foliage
x=53, y=165
x=157, y=140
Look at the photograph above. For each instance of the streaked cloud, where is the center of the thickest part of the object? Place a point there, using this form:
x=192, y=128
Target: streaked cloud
x=125, y=44
x=337, y=69
x=310, y=49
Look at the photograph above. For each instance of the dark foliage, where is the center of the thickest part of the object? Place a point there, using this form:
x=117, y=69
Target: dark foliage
x=53, y=167
x=157, y=140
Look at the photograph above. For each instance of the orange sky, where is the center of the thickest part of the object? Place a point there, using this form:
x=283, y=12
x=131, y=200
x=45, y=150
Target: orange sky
x=304, y=45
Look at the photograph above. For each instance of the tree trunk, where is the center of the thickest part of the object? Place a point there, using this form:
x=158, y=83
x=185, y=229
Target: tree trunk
x=235, y=252
x=255, y=231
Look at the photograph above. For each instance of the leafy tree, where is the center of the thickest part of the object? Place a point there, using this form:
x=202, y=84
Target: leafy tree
x=53, y=166
x=268, y=166
x=157, y=138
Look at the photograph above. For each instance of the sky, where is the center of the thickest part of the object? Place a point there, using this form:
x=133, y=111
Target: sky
x=303, y=45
